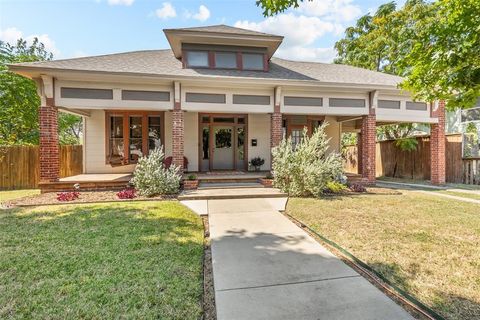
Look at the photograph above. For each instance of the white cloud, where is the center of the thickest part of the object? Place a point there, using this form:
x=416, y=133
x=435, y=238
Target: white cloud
x=335, y=10
x=304, y=26
x=11, y=35
x=120, y=2
x=202, y=14
x=298, y=30
x=167, y=11
x=307, y=54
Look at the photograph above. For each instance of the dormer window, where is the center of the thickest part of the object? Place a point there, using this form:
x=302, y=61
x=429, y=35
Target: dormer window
x=226, y=60
x=252, y=61
x=197, y=59
x=212, y=56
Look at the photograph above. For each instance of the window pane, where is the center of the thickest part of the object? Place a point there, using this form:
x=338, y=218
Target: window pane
x=116, y=127
x=205, y=143
x=135, y=138
x=223, y=120
x=197, y=58
x=252, y=61
x=240, y=142
x=154, y=133
x=223, y=138
x=241, y=120
x=225, y=60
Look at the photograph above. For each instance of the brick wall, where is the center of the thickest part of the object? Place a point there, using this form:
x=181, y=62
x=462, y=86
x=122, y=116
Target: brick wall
x=437, y=146
x=276, y=127
x=368, y=145
x=49, y=148
x=178, y=132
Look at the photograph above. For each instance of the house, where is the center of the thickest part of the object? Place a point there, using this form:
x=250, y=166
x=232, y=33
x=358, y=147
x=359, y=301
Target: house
x=217, y=97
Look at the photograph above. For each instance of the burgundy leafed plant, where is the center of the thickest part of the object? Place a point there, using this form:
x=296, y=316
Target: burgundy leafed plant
x=68, y=196
x=128, y=193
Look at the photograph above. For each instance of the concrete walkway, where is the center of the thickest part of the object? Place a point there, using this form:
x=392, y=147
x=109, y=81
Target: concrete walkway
x=265, y=267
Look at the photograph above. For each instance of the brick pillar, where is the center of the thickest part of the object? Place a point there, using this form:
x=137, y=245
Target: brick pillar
x=276, y=127
x=177, y=136
x=359, y=153
x=49, y=149
x=437, y=146
x=368, y=140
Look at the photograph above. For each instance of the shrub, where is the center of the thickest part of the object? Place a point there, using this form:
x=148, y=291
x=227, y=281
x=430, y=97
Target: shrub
x=127, y=193
x=151, y=177
x=269, y=175
x=306, y=170
x=335, y=187
x=257, y=162
x=192, y=177
x=358, y=187
x=68, y=196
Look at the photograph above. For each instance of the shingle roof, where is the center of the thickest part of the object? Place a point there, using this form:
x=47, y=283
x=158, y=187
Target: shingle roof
x=163, y=63
x=222, y=28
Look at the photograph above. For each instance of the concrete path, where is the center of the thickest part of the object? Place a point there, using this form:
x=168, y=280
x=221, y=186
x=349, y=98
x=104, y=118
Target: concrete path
x=265, y=267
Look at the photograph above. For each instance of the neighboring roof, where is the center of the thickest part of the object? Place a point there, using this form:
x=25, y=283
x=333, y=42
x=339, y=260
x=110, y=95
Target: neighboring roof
x=163, y=63
x=222, y=28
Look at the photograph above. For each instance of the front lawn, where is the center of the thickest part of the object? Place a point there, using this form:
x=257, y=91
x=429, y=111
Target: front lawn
x=16, y=194
x=138, y=260
x=426, y=245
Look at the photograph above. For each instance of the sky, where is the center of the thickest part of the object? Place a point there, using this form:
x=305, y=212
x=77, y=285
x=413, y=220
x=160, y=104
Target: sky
x=76, y=28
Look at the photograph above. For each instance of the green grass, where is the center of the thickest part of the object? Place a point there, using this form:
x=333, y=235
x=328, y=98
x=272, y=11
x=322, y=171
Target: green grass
x=131, y=260
x=425, y=244
x=15, y=194
x=460, y=194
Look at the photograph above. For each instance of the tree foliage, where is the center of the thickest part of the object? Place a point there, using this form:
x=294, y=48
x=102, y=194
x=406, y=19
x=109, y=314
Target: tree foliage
x=19, y=100
x=434, y=45
x=444, y=60
x=273, y=7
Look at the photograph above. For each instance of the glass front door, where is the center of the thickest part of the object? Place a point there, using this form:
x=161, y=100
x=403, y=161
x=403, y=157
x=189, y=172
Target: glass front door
x=223, y=149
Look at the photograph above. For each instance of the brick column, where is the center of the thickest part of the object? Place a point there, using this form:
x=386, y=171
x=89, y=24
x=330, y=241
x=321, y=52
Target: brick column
x=437, y=146
x=359, y=153
x=49, y=149
x=276, y=127
x=177, y=136
x=368, y=140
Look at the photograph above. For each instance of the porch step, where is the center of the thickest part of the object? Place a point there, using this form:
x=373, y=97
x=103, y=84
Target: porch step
x=231, y=193
x=228, y=185
x=228, y=180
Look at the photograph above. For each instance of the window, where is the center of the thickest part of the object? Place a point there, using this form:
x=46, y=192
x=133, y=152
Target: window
x=132, y=135
x=227, y=60
x=297, y=137
x=252, y=61
x=197, y=59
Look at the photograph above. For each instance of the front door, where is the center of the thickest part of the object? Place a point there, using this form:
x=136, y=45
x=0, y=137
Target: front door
x=223, y=148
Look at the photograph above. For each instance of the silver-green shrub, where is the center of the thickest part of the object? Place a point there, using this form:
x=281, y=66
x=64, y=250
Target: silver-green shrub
x=306, y=170
x=151, y=177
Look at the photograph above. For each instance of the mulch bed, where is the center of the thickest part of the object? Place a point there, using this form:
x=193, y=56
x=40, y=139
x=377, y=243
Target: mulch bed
x=85, y=197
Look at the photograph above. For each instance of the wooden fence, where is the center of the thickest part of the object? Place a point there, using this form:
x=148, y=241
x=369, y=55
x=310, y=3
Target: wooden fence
x=392, y=162
x=19, y=165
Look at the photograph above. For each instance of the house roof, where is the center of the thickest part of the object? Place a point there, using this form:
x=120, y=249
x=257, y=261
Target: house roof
x=222, y=28
x=221, y=35
x=163, y=63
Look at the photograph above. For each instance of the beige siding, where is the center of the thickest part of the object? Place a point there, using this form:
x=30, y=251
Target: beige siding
x=95, y=146
x=334, y=132
x=191, y=140
x=259, y=128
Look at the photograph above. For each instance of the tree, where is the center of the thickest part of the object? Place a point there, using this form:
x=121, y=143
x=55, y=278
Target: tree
x=19, y=100
x=273, y=7
x=444, y=62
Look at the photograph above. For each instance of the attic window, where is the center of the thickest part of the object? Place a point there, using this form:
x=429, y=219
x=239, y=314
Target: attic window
x=252, y=61
x=197, y=59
